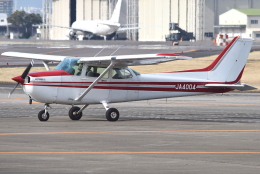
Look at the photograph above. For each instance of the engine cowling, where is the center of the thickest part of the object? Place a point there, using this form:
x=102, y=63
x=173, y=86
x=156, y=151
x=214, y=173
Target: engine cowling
x=70, y=33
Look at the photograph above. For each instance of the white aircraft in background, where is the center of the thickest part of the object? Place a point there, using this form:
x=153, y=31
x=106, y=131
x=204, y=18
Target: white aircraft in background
x=107, y=79
x=97, y=27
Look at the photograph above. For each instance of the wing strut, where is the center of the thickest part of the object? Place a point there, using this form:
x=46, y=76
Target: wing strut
x=95, y=82
x=45, y=63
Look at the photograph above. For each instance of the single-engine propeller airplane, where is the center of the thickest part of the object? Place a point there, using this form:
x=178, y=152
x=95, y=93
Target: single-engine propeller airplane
x=107, y=79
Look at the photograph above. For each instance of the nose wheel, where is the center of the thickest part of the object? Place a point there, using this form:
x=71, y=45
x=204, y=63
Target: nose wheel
x=43, y=115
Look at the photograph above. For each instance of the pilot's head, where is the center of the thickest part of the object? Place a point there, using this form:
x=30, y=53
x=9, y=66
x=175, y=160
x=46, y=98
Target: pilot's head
x=80, y=67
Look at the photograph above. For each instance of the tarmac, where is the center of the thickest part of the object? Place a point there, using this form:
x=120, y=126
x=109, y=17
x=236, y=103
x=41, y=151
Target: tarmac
x=214, y=134
x=199, y=134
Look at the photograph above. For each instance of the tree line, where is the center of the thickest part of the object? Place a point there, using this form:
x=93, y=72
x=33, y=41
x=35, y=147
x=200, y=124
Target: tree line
x=23, y=19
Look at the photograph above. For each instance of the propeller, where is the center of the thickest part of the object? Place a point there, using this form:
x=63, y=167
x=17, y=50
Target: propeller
x=20, y=79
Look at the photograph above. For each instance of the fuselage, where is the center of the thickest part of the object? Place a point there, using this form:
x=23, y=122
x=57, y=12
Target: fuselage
x=60, y=87
x=97, y=27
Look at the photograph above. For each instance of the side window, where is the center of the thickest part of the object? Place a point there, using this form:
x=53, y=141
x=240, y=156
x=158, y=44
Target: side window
x=93, y=71
x=100, y=70
x=118, y=73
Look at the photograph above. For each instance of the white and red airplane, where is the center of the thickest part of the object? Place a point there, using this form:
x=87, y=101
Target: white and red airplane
x=96, y=80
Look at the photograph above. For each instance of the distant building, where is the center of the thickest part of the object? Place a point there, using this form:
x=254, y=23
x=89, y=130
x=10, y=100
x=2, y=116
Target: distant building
x=3, y=19
x=4, y=26
x=6, y=6
x=197, y=16
x=240, y=22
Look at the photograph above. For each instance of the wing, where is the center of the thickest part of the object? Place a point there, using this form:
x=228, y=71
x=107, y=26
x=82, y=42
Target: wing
x=132, y=60
x=45, y=58
x=132, y=28
x=124, y=60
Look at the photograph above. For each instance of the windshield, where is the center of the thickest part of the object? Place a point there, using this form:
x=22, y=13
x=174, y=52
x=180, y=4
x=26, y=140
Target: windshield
x=68, y=65
x=136, y=73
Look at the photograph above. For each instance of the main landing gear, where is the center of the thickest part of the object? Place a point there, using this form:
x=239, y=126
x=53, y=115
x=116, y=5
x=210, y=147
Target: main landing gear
x=75, y=113
x=112, y=114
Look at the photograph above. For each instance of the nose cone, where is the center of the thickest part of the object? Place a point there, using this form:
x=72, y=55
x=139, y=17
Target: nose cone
x=18, y=79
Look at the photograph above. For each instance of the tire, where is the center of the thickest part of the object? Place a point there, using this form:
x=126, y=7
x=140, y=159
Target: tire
x=42, y=116
x=112, y=114
x=73, y=115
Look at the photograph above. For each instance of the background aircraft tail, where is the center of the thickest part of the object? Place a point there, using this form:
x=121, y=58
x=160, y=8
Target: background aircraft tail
x=116, y=13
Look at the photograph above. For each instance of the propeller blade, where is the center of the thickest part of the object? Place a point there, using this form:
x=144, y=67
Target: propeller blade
x=26, y=71
x=13, y=90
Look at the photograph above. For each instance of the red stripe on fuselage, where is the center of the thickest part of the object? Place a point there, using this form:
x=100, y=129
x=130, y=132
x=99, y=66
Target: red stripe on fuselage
x=173, y=89
x=49, y=73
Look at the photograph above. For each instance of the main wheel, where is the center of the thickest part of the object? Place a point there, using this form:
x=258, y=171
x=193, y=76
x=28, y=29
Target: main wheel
x=73, y=113
x=112, y=114
x=42, y=116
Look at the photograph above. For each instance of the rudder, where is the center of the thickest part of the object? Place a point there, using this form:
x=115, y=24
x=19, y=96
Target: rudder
x=116, y=13
x=229, y=67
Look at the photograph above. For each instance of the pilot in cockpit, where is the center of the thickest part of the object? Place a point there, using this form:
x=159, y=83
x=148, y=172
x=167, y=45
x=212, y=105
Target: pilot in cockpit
x=89, y=72
x=79, y=69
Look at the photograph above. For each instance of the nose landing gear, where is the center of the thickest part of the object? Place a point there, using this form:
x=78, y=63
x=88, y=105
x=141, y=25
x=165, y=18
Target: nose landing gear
x=43, y=115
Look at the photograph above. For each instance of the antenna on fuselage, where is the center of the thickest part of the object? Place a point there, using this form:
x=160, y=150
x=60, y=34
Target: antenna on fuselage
x=100, y=52
x=116, y=50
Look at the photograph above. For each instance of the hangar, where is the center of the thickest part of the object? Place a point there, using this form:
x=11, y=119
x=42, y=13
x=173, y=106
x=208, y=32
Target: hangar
x=240, y=22
x=196, y=16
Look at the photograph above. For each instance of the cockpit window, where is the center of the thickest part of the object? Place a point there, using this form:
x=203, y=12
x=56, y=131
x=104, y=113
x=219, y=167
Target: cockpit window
x=69, y=65
x=118, y=73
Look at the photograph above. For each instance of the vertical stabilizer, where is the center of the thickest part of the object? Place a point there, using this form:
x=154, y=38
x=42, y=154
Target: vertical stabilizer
x=228, y=67
x=116, y=12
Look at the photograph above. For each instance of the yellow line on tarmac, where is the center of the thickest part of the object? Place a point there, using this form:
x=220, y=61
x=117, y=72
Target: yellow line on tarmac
x=129, y=152
x=224, y=104
x=11, y=98
x=9, y=88
x=189, y=51
x=61, y=50
x=111, y=132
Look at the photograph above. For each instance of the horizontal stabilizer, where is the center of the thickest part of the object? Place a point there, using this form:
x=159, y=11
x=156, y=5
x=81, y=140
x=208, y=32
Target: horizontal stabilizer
x=241, y=87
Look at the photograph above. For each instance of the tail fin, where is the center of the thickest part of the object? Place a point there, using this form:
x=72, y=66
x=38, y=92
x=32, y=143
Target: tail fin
x=228, y=66
x=227, y=69
x=116, y=12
